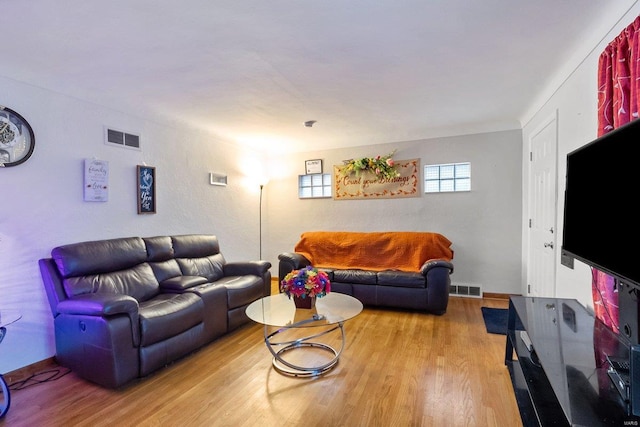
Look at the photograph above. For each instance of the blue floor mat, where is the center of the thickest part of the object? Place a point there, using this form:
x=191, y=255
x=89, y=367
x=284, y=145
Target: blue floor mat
x=495, y=320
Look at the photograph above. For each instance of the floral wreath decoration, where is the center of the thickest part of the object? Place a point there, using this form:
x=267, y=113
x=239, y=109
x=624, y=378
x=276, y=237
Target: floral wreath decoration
x=382, y=166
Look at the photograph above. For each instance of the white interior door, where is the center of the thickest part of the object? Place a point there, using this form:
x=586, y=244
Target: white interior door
x=543, y=243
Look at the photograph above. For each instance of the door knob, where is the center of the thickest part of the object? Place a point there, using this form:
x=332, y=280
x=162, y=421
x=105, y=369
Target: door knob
x=549, y=245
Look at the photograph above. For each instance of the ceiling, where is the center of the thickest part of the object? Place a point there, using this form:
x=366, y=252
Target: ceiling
x=253, y=71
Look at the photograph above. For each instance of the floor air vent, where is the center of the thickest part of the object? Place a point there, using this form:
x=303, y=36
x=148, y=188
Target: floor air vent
x=465, y=290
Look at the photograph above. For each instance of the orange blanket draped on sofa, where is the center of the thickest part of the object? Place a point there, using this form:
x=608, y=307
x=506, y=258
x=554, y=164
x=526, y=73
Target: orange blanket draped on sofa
x=376, y=251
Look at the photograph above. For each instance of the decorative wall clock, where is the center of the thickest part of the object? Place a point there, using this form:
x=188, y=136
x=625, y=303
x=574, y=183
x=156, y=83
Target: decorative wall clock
x=16, y=138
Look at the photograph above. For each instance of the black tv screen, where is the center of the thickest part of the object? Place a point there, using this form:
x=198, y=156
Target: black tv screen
x=601, y=223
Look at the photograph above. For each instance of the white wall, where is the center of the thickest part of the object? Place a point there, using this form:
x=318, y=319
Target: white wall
x=483, y=224
x=576, y=104
x=41, y=201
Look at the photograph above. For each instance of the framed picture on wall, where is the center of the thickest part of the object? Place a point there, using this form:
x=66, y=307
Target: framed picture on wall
x=96, y=180
x=146, y=179
x=313, y=166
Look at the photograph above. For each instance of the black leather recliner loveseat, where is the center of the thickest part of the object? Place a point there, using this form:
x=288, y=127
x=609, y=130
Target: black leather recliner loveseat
x=126, y=307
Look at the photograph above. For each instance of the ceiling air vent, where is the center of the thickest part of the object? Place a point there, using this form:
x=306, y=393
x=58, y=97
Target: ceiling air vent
x=121, y=138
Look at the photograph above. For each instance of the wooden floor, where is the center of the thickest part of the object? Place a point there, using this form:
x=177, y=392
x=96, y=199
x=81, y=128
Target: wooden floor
x=398, y=369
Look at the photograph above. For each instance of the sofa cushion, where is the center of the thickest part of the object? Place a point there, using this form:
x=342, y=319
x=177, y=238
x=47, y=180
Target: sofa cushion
x=138, y=282
x=401, y=279
x=241, y=290
x=355, y=276
x=199, y=255
x=102, y=256
x=168, y=315
x=195, y=245
x=159, y=248
x=210, y=267
x=165, y=270
x=181, y=283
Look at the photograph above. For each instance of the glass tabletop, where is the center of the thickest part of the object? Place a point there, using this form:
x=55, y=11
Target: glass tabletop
x=278, y=310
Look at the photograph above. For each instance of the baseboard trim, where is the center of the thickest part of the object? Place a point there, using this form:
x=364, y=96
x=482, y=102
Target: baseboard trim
x=25, y=372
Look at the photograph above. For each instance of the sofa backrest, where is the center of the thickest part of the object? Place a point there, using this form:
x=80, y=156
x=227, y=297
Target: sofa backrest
x=199, y=255
x=114, y=266
x=161, y=257
x=133, y=266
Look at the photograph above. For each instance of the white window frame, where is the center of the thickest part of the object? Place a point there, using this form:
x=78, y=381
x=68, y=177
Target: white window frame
x=447, y=177
x=315, y=186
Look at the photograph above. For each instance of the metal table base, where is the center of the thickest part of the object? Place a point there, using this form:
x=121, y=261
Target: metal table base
x=301, y=344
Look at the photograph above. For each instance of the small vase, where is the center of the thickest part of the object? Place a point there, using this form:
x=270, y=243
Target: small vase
x=307, y=302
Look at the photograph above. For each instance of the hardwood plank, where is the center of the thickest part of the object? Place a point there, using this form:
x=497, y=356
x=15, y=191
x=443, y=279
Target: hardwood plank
x=399, y=368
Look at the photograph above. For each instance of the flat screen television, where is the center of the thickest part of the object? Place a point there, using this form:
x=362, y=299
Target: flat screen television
x=601, y=224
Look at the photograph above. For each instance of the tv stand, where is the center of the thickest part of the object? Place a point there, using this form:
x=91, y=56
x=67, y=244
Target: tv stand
x=562, y=379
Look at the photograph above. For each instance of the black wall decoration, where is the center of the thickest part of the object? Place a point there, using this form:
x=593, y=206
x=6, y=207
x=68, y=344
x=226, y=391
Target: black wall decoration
x=146, y=189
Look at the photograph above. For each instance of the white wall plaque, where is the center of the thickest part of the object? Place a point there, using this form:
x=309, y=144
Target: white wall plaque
x=313, y=166
x=96, y=180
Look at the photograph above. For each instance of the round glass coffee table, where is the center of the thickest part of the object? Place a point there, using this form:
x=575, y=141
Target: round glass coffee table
x=7, y=317
x=309, y=325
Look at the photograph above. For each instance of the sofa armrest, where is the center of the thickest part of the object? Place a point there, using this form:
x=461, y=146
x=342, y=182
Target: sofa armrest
x=52, y=283
x=255, y=268
x=433, y=263
x=437, y=278
x=290, y=261
x=104, y=304
x=242, y=268
x=179, y=284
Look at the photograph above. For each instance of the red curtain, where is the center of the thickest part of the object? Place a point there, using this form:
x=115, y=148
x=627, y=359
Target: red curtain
x=618, y=88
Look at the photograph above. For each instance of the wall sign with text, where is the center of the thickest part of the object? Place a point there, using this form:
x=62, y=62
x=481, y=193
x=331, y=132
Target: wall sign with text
x=96, y=180
x=146, y=189
x=367, y=185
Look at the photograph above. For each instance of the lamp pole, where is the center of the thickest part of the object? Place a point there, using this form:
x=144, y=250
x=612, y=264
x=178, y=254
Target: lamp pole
x=260, y=216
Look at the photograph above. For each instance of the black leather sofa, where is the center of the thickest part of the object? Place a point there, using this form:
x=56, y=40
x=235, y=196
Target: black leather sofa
x=126, y=307
x=425, y=289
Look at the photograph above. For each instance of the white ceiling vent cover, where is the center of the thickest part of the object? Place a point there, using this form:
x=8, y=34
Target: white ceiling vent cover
x=121, y=138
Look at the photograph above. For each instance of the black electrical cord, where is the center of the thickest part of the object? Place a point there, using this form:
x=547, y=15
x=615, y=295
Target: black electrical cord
x=39, y=378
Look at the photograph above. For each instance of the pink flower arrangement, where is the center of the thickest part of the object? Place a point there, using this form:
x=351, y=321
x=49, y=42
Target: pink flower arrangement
x=307, y=282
